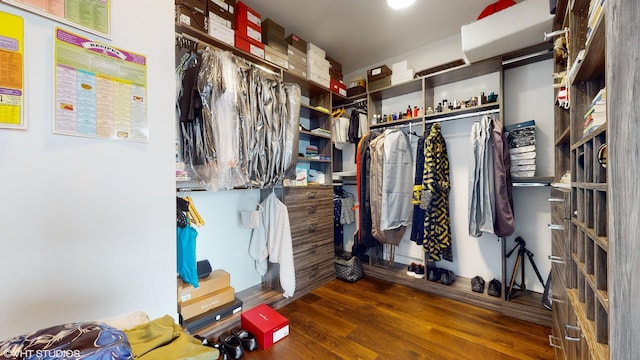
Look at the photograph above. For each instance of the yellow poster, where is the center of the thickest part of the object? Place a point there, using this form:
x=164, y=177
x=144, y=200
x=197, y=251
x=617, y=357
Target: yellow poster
x=11, y=71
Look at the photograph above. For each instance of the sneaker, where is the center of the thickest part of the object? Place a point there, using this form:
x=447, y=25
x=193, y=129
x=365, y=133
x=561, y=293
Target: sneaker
x=477, y=284
x=411, y=269
x=495, y=288
x=447, y=277
x=419, y=274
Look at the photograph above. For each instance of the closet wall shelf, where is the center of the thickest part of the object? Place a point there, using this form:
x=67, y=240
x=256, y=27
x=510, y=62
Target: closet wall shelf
x=532, y=181
x=312, y=134
x=601, y=241
x=403, y=122
x=308, y=110
x=593, y=63
x=479, y=110
x=409, y=87
x=564, y=137
x=589, y=137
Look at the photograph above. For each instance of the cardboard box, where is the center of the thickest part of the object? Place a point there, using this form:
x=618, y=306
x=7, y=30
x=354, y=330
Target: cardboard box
x=338, y=87
x=278, y=44
x=272, y=28
x=298, y=69
x=217, y=280
x=191, y=17
x=252, y=47
x=276, y=57
x=245, y=13
x=248, y=30
x=221, y=32
x=297, y=55
x=266, y=324
x=203, y=304
x=226, y=21
x=314, y=50
x=222, y=7
x=380, y=83
x=355, y=90
x=297, y=42
x=197, y=5
x=212, y=316
x=320, y=79
x=378, y=73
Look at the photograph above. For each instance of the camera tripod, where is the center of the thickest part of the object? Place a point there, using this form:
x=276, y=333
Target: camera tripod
x=521, y=245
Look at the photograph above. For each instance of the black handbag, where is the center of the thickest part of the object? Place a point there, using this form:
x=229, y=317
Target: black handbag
x=349, y=269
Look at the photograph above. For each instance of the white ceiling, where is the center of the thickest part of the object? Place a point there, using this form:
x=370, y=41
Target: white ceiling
x=360, y=33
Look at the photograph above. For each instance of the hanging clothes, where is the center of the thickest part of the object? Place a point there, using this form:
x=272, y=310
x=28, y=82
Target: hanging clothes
x=435, y=197
x=363, y=177
x=417, y=225
x=481, y=180
x=340, y=126
x=504, y=222
x=396, y=209
x=272, y=240
x=187, y=266
x=338, y=229
x=376, y=149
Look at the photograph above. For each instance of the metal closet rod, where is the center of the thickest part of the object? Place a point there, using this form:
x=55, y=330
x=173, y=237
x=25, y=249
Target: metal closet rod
x=354, y=102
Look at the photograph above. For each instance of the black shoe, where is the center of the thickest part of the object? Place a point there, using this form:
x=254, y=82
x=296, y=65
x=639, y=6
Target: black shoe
x=222, y=353
x=477, y=284
x=419, y=273
x=248, y=339
x=495, y=288
x=447, y=277
x=411, y=269
x=434, y=274
x=232, y=346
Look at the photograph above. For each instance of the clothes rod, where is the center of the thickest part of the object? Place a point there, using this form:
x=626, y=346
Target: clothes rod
x=548, y=36
x=353, y=103
x=462, y=116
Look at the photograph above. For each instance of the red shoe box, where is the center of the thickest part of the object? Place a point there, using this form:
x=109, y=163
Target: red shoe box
x=266, y=324
x=247, y=14
x=248, y=30
x=338, y=87
x=253, y=47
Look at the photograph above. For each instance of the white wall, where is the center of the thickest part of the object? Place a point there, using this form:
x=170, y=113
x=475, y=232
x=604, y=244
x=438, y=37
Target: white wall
x=88, y=226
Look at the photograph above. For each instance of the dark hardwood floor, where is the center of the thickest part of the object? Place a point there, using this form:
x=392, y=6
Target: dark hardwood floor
x=375, y=319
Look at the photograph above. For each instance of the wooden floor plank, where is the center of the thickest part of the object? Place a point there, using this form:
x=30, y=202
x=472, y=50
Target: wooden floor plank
x=373, y=320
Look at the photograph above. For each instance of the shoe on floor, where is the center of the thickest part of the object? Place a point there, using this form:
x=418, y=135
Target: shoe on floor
x=447, y=277
x=477, y=284
x=495, y=288
x=411, y=269
x=434, y=274
x=419, y=273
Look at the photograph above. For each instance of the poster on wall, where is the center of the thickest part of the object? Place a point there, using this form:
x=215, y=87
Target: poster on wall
x=11, y=72
x=100, y=90
x=93, y=16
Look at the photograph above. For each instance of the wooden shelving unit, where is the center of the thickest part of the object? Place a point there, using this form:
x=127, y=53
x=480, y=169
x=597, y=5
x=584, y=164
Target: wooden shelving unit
x=580, y=270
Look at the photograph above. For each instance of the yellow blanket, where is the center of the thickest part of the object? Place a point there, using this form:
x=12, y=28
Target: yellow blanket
x=163, y=339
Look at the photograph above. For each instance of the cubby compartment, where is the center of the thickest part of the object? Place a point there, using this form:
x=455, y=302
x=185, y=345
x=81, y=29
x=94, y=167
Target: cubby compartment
x=588, y=209
x=602, y=324
x=590, y=302
x=601, y=269
x=589, y=256
x=600, y=213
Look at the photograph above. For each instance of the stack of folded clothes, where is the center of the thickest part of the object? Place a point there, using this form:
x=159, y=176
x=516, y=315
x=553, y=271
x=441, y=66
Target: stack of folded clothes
x=522, y=148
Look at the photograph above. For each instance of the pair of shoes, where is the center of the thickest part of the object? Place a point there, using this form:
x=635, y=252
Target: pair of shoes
x=248, y=340
x=495, y=288
x=419, y=273
x=411, y=269
x=477, y=284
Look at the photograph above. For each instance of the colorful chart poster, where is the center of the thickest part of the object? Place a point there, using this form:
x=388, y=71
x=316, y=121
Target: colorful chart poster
x=100, y=90
x=11, y=72
x=89, y=15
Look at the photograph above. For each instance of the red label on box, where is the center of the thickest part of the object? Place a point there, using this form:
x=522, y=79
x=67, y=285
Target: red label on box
x=268, y=325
